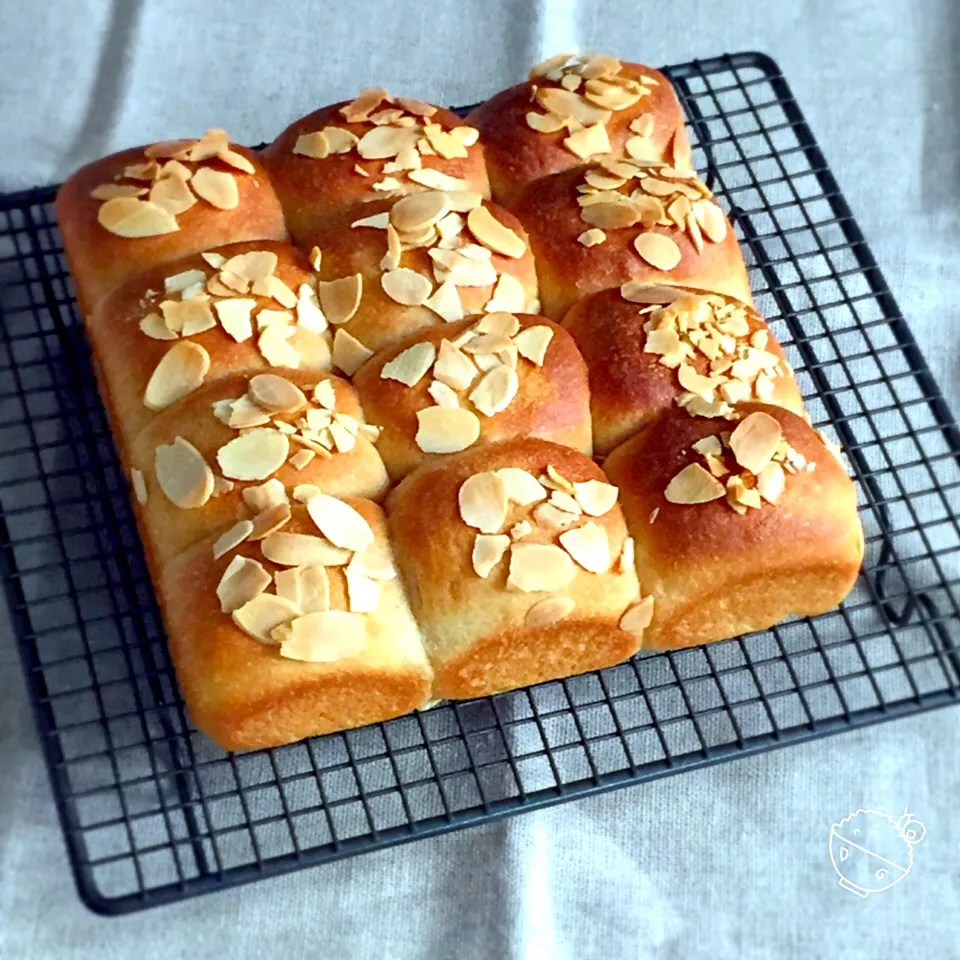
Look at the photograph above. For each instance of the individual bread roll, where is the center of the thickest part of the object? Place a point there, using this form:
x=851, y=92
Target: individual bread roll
x=150, y=205
x=376, y=146
x=518, y=565
x=649, y=348
x=324, y=442
x=572, y=109
x=737, y=523
x=391, y=268
x=535, y=385
x=604, y=223
x=317, y=639
x=145, y=366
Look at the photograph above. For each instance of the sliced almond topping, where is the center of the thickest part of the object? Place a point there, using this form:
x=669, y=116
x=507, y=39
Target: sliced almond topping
x=153, y=326
x=613, y=215
x=377, y=221
x=436, y=180
x=544, y=122
x=254, y=455
x=130, y=217
x=770, y=482
x=520, y=530
x=595, y=497
x=549, y=610
x=349, y=354
x=180, y=372
x=340, y=299
x=183, y=474
x=266, y=495
x=270, y=520
x=487, y=343
x=693, y=484
x=557, y=481
x=453, y=367
x=564, y=103
x=659, y=251
x=234, y=316
x=410, y=365
x=406, y=286
x=419, y=210
x=488, y=550
x=259, y=617
x=642, y=148
x=509, y=296
x=446, y=429
x=232, y=538
x=709, y=446
x=555, y=62
x=646, y=293
x=589, y=546
x=495, y=391
x=521, y=487
x=309, y=314
x=445, y=302
x=711, y=218
x=325, y=394
x=301, y=459
x=276, y=394
x=215, y=260
x=551, y=517
x=312, y=145
x=638, y=617
x=536, y=566
x=313, y=588
x=627, y=555
x=592, y=237
x=324, y=637
x=236, y=160
x=588, y=141
x=302, y=492
x=382, y=143
x=196, y=316
x=183, y=280
x=107, y=191
x=302, y=549
x=483, y=502
x=564, y=501
x=216, y=187
x=276, y=349
x=340, y=523
x=242, y=580
x=755, y=441
x=242, y=413
x=494, y=235
x=363, y=593
x=274, y=287
x=500, y=322
x=173, y=194
x=532, y=343
x=139, y=485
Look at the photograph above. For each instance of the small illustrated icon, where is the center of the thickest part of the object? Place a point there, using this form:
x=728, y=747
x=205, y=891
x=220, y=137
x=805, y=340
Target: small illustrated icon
x=871, y=851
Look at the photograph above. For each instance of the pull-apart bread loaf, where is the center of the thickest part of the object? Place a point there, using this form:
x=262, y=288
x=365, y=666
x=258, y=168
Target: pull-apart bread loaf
x=573, y=108
x=142, y=207
x=375, y=147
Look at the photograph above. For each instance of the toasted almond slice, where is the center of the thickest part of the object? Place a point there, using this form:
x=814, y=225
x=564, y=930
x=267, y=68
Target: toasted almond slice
x=592, y=237
x=139, y=485
x=419, y=210
x=520, y=530
x=309, y=314
x=544, y=122
x=313, y=145
x=382, y=143
x=442, y=395
x=495, y=390
x=234, y=316
x=589, y=546
x=556, y=62
x=508, y=296
x=532, y=343
x=325, y=636
x=463, y=200
x=363, y=594
x=302, y=492
x=376, y=221
x=266, y=495
x=500, y=322
x=216, y=187
x=755, y=441
x=589, y=141
x=406, y=286
x=693, y=484
x=242, y=580
x=231, y=538
x=340, y=523
x=325, y=394
x=254, y=455
x=196, y=315
x=181, y=281
x=711, y=218
x=612, y=215
x=313, y=588
x=108, y=191
x=565, y=103
x=244, y=413
x=488, y=550
x=130, y=217
x=659, y=251
x=453, y=367
x=547, y=611
x=276, y=394
x=551, y=517
x=282, y=319
x=564, y=501
x=483, y=502
x=595, y=497
x=409, y=366
x=269, y=520
x=180, y=372
x=153, y=326
x=259, y=617
x=253, y=265
x=487, y=343
x=340, y=299
x=642, y=148
x=236, y=160
x=275, y=348
x=302, y=549
x=183, y=474
x=339, y=139
x=349, y=354
x=446, y=429
x=521, y=487
x=536, y=566
x=557, y=481
x=445, y=302
x=638, y=617
x=627, y=555
x=173, y=194
x=215, y=260
x=494, y=235
x=275, y=288
x=709, y=446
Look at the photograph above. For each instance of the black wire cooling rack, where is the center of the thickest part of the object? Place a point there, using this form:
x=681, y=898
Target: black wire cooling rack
x=153, y=812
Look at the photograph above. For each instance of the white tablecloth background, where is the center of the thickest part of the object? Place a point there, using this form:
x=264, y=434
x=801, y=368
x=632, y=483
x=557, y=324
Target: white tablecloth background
x=725, y=862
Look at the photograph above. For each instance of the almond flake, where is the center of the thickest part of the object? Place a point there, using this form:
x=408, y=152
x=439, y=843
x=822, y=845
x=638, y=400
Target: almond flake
x=494, y=235
x=627, y=555
x=153, y=326
x=406, y=286
x=312, y=145
x=276, y=394
x=281, y=319
x=382, y=143
x=500, y=322
x=711, y=218
x=108, y=191
x=409, y=366
x=483, y=502
x=521, y=487
x=564, y=103
x=592, y=237
x=264, y=496
x=436, y=180
x=446, y=429
x=139, y=486
x=419, y=210
x=254, y=455
x=547, y=611
x=544, y=122
x=275, y=348
x=495, y=391
x=242, y=413
x=595, y=497
x=693, y=484
x=658, y=250
x=216, y=187
x=215, y=260
x=588, y=141
x=488, y=551
x=349, y=354
x=234, y=316
x=642, y=149
x=270, y=520
x=453, y=367
x=363, y=594
x=535, y=566
x=445, y=302
x=532, y=343
x=181, y=281
x=259, y=617
x=589, y=546
x=301, y=459
x=340, y=523
x=232, y=538
x=236, y=160
x=183, y=474
x=487, y=343
x=463, y=200
x=564, y=501
x=638, y=617
x=173, y=194
x=309, y=314
x=555, y=62
x=242, y=580
x=509, y=296
x=180, y=372
x=302, y=549
x=130, y=217
x=376, y=221
x=196, y=316
x=324, y=637
x=654, y=513
x=520, y=530
x=339, y=299
x=253, y=265
x=709, y=446
x=755, y=441
x=275, y=288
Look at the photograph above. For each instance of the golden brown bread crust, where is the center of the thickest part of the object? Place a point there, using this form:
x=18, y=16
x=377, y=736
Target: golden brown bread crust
x=169, y=530
x=126, y=357
x=629, y=387
x=380, y=321
x=244, y=695
x=568, y=270
x=311, y=191
x=517, y=154
x=552, y=402
x=473, y=628
x=714, y=574
x=100, y=260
